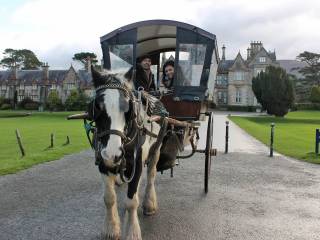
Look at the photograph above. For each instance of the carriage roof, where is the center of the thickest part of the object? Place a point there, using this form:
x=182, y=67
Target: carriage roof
x=154, y=35
x=196, y=54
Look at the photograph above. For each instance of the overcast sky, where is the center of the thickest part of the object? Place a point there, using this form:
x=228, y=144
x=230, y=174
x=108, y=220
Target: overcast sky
x=56, y=29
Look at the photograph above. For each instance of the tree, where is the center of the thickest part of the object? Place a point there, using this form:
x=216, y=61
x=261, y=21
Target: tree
x=53, y=101
x=315, y=94
x=24, y=58
x=274, y=90
x=312, y=70
x=77, y=100
x=84, y=57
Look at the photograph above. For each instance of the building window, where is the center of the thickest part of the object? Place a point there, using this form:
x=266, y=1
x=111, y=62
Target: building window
x=222, y=79
x=238, y=76
x=219, y=95
x=238, y=96
x=70, y=86
x=262, y=59
x=225, y=97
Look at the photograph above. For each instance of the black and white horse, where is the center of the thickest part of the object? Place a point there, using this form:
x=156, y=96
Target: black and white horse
x=119, y=139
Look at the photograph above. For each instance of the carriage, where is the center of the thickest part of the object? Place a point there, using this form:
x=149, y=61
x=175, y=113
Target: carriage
x=194, y=52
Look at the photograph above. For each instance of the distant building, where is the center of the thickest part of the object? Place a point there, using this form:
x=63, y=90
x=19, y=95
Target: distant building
x=234, y=77
x=37, y=84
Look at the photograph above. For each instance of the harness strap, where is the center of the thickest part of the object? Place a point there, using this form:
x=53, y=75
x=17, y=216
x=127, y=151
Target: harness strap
x=113, y=132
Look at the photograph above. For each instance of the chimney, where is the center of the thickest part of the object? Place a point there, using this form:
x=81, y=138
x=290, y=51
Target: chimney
x=223, y=52
x=45, y=68
x=248, y=53
x=15, y=73
x=88, y=64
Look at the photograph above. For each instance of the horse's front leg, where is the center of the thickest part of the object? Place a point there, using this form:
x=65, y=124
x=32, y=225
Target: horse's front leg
x=150, y=203
x=133, y=231
x=112, y=220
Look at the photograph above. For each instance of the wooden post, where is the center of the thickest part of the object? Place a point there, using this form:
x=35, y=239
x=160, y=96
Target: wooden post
x=51, y=140
x=20, y=143
x=67, y=142
x=271, y=139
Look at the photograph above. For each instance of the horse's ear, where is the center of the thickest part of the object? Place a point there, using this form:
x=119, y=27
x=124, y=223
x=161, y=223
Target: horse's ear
x=97, y=78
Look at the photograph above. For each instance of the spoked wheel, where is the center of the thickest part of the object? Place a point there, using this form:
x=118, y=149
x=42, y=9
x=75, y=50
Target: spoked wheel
x=208, y=151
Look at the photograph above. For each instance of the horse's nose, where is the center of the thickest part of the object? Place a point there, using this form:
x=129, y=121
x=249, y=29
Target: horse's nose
x=114, y=155
x=118, y=158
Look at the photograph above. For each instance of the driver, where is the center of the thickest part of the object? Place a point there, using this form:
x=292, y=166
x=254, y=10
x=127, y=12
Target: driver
x=144, y=76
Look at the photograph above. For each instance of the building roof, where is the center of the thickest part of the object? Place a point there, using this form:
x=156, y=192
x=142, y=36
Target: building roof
x=56, y=76
x=85, y=77
x=4, y=75
x=225, y=65
x=292, y=67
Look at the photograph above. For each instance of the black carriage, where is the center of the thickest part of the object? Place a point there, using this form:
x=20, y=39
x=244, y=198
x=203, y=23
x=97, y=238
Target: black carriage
x=194, y=52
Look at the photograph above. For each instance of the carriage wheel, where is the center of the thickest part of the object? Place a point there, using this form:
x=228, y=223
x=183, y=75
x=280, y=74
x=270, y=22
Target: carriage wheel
x=208, y=151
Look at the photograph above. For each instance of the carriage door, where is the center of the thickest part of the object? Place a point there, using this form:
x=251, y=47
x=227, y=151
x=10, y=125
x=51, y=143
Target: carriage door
x=193, y=59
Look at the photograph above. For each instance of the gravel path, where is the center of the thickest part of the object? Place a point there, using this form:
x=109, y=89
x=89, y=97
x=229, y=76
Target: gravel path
x=251, y=197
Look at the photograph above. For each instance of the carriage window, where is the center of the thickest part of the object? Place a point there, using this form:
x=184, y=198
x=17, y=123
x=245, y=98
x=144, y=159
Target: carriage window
x=121, y=57
x=191, y=61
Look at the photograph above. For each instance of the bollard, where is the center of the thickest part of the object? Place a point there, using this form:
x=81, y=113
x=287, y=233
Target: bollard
x=20, y=143
x=227, y=138
x=317, y=141
x=271, y=139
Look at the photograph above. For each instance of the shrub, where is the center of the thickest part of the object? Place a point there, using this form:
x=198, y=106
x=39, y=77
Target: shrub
x=25, y=101
x=306, y=106
x=54, y=103
x=242, y=108
x=4, y=101
x=76, y=101
x=5, y=106
x=31, y=106
x=315, y=94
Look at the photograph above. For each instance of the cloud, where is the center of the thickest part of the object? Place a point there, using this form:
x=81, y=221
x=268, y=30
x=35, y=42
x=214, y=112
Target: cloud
x=55, y=30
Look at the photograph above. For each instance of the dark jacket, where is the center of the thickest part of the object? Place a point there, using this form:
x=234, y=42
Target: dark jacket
x=141, y=79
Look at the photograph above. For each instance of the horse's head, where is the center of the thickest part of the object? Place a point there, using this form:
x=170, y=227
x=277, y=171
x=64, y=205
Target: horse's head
x=111, y=110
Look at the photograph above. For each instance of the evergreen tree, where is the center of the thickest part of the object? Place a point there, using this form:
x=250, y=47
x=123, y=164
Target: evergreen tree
x=274, y=90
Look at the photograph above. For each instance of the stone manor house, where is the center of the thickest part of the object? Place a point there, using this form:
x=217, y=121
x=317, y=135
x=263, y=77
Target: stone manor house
x=234, y=77
x=37, y=84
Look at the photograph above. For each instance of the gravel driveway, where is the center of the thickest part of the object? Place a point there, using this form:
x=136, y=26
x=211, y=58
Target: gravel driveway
x=251, y=196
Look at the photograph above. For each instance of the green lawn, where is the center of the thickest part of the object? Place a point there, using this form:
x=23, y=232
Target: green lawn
x=35, y=132
x=294, y=134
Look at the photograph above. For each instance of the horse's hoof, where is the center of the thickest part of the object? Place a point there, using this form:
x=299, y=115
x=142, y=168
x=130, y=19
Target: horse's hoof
x=149, y=211
x=112, y=237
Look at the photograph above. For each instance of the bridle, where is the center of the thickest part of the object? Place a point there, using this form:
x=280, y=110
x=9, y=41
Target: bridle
x=129, y=139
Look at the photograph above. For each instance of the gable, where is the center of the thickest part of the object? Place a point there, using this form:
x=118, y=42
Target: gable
x=262, y=57
x=239, y=64
x=71, y=76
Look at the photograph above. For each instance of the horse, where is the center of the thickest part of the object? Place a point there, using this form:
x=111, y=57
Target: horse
x=124, y=140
